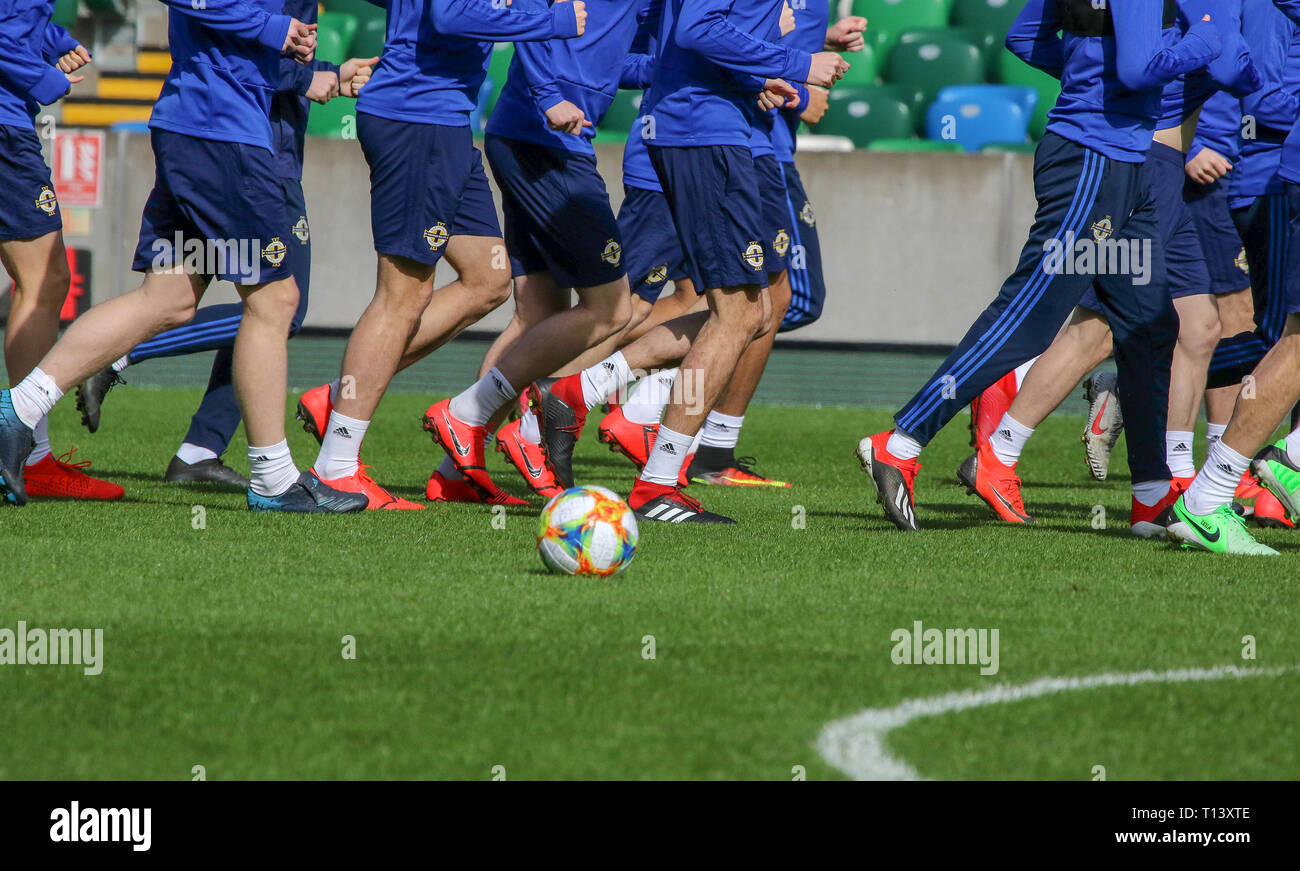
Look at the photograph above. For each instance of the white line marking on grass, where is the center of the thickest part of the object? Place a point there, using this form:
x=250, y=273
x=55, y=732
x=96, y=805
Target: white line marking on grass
x=856, y=745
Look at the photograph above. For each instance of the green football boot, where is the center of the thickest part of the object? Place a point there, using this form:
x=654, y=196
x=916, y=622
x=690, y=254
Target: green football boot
x=1279, y=475
x=1220, y=532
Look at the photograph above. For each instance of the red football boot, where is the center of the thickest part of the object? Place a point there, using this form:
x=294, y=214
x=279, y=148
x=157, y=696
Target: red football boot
x=996, y=483
x=1150, y=521
x=528, y=459
x=893, y=479
x=986, y=410
x=632, y=440
x=380, y=499
x=1266, y=509
x=314, y=408
x=60, y=479
x=444, y=489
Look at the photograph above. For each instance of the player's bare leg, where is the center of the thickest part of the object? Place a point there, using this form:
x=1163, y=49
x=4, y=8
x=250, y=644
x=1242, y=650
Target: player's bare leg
x=261, y=362
x=715, y=460
x=1236, y=315
x=684, y=299
x=1198, y=332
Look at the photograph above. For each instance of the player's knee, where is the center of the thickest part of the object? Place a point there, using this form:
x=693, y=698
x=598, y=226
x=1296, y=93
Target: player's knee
x=1200, y=333
x=493, y=289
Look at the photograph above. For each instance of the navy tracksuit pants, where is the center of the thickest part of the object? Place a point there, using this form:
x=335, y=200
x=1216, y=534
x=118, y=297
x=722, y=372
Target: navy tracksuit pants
x=1081, y=196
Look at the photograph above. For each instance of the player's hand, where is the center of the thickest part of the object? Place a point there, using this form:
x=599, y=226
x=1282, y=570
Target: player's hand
x=74, y=60
x=74, y=80
x=354, y=74
x=324, y=87
x=827, y=69
x=818, y=100
x=1208, y=166
x=579, y=12
x=301, y=41
x=787, y=19
x=565, y=117
x=777, y=93
x=846, y=34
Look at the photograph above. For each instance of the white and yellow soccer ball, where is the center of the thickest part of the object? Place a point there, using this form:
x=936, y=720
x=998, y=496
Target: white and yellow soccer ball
x=587, y=531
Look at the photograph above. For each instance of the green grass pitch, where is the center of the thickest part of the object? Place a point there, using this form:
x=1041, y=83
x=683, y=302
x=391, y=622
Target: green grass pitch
x=223, y=645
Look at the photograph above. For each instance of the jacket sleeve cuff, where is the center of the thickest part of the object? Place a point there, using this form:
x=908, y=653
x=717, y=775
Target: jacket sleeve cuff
x=798, y=67
x=51, y=86
x=564, y=20
x=302, y=78
x=275, y=32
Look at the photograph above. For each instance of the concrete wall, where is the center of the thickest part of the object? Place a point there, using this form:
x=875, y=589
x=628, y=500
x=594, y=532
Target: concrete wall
x=915, y=245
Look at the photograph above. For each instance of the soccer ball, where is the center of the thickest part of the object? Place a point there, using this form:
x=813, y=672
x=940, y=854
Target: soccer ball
x=587, y=531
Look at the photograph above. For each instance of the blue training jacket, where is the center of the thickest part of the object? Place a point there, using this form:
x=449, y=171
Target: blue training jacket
x=289, y=106
x=585, y=71
x=30, y=44
x=1111, y=86
x=811, y=19
x=638, y=71
x=225, y=69
x=696, y=97
x=436, y=54
x=1289, y=169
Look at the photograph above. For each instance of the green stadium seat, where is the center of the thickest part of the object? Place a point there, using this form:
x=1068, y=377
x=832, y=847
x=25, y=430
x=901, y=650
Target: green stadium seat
x=931, y=62
x=362, y=10
x=990, y=45
x=1014, y=71
x=864, y=113
x=334, y=35
x=498, y=69
x=888, y=18
x=863, y=68
x=369, y=41
x=334, y=120
x=65, y=13
x=912, y=145
x=994, y=16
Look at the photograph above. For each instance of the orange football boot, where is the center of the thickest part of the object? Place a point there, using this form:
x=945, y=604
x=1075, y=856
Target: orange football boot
x=314, y=409
x=996, y=483
x=632, y=440
x=467, y=447
x=60, y=479
x=528, y=459
x=380, y=499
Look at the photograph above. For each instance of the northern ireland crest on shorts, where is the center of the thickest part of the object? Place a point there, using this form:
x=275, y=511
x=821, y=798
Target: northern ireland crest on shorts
x=437, y=236
x=274, y=252
x=301, y=231
x=807, y=215
x=1103, y=229
x=782, y=242
x=1242, y=263
x=753, y=256
x=658, y=275
x=47, y=202
x=613, y=253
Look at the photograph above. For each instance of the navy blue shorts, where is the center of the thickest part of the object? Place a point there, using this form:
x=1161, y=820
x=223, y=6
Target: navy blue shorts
x=217, y=208
x=713, y=193
x=807, y=283
x=776, y=212
x=1265, y=228
x=1164, y=174
x=557, y=213
x=427, y=184
x=28, y=205
x=1225, y=255
x=1293, y=252
x=653, y=251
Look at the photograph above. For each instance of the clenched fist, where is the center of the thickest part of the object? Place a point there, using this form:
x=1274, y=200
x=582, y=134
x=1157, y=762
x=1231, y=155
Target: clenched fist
x=827, y=69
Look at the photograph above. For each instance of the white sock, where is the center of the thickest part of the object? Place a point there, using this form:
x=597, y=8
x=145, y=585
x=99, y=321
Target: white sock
x=529, y=431
x=121, y=363
x=695, y=442
x=341, y=447
x=665, y=463
x=476, y=405
x=604, y=378
x=1213, y=432
x=1008, y=439
x=903, y=446
x=271, y=469
x=191, y=453
x=334, y=390
x=42, y=435
x=449, y=471
x=1293, y=446
x=1022, y=370
x=1178, y=453
x=34, y=396
x=646, y=404
x=1217, y=480
x=721, y=430
x=1150, y=492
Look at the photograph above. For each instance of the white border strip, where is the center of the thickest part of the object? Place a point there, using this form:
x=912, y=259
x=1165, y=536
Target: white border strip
x=856, y=745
